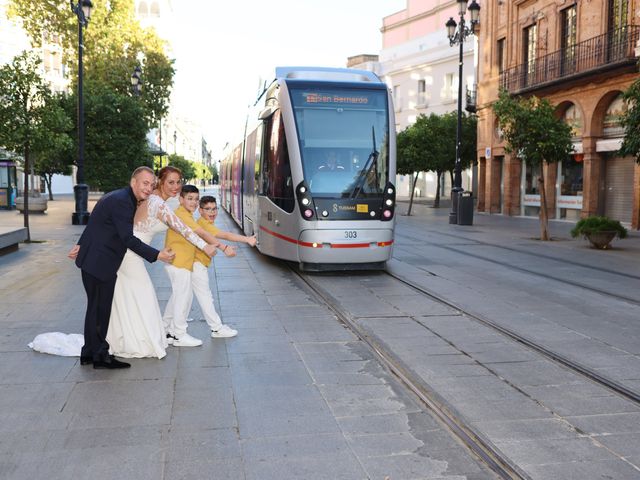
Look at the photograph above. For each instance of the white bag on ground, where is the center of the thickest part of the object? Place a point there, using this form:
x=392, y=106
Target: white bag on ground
x=56, y=343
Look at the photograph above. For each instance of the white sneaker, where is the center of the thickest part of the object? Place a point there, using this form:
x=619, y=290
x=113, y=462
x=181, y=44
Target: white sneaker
x=224, y=331
x=171, y=338
x=189, y=319
x=187, y=340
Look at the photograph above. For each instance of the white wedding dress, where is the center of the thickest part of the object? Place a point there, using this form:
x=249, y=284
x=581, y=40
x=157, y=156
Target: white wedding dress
x=135, y=326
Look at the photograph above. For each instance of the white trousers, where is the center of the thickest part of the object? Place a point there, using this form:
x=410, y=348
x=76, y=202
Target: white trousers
x=200, y=285
x=177, y=309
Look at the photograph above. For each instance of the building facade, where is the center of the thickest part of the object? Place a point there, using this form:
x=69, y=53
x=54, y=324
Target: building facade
x=581, y=56
x=421, y=68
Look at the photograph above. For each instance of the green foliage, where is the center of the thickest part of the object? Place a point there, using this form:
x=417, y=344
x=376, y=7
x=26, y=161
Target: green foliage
x=532, y=130
x=24, y=97
x=213, y=172
x=589, y=225
x=631, y=122
x=52, y=149
x=114, y=42
x=115, y=137
x=408, y=154
x=187, y=167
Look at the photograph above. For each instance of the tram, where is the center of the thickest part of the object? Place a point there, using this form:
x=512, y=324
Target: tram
x=314, y=175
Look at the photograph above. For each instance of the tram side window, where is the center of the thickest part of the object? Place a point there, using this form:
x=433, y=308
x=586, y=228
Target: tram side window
x=277, y=181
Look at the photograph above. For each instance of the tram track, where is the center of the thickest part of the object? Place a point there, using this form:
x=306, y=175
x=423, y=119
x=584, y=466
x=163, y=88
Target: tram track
x=475, y=441
x=566, y=281
x=536, y=347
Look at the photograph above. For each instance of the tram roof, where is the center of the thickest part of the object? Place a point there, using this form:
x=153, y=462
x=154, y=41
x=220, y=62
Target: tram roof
x=327, y=74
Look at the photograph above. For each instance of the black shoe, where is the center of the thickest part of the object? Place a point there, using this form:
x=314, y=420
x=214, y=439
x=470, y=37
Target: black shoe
x=86, y=360
x=110, y=363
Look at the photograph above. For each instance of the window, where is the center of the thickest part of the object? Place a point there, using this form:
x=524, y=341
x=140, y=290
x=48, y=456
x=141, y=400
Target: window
x=612, y=126
x=501, y=55
x=532, y=173
x=571, y=177
x=422, y=92
x=617, y=28
x=529, y=52
x=573, y=117
x=450, y=91
x=277, y=181
x=568, y=39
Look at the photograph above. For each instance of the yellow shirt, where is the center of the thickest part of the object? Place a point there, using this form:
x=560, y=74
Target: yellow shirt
x=185, y=251
x=202, y=257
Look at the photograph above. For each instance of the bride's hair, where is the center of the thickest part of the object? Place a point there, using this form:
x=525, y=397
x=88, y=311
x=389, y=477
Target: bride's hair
x=164, y=173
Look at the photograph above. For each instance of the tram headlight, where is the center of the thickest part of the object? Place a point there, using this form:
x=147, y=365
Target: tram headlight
x=390, y=191
x=373, y=213
x=305, y=201
x=325, y=213
x=389, y=202
x=303, y=189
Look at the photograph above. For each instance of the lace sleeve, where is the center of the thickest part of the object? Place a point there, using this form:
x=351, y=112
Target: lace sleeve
x=166, y=216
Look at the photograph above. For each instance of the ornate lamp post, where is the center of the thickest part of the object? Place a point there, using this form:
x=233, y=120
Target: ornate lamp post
x=457, y=33
x=136, y=81
x=82, y=10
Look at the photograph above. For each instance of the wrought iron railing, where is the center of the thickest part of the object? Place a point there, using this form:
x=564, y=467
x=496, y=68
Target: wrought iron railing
x=472, y=99
x=611, y=49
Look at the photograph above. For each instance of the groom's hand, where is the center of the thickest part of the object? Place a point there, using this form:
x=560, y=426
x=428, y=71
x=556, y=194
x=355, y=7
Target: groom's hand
x=166, y=255
x=73, y=253
x=210, y=249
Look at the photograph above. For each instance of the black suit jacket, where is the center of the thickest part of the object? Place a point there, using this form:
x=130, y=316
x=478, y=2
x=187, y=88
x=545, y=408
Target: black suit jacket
x=108, y=235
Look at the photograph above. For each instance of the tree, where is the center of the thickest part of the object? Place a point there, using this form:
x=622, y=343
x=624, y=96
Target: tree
x=23, y=95
x=213, y=171
x=114, y=43
x=535, y=134
x=115, y=137
x=185, y=166
x=53, y=150
x=631, y=122
x=408, y=158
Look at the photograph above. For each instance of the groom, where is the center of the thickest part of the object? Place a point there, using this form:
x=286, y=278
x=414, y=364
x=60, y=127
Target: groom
x=99, y=253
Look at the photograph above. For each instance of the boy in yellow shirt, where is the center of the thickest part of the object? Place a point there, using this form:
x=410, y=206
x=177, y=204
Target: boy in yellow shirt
x=200, y=278
x=177, y=309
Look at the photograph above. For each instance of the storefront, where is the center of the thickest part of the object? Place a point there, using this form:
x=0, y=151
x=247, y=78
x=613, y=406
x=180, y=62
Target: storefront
x=7, y=185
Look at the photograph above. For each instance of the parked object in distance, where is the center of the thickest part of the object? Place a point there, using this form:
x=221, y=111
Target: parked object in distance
x=600, y=231
x=314, y=175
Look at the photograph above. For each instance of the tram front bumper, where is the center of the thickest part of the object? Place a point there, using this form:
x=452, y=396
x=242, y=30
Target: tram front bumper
x=348, y=246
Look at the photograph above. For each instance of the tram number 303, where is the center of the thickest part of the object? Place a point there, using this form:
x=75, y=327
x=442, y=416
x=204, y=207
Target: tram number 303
x=350, y=234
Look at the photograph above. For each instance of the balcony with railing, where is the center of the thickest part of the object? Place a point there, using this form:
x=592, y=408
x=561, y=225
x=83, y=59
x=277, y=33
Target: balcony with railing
x=610, y=50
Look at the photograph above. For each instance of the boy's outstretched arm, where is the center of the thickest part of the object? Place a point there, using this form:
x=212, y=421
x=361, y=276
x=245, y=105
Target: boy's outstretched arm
x=233, y=237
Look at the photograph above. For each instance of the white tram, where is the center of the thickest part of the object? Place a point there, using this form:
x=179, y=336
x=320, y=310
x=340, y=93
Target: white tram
x=313, y=177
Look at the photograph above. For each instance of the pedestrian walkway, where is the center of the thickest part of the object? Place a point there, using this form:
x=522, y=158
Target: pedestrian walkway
x=295, y=395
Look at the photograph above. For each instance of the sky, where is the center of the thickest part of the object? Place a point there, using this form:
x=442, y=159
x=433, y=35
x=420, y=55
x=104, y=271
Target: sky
x=225, y=49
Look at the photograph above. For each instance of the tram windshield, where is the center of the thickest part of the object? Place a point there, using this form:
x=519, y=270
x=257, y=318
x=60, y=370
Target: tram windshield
x=343, y=135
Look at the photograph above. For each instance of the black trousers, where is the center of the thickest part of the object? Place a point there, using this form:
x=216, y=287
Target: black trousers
x=96, y=321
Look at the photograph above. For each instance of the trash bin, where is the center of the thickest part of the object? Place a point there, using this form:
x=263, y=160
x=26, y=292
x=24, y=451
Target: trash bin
x=465, y=208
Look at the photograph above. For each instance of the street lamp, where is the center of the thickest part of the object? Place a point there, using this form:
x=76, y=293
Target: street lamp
x=457, y=33
x=82, y=10
x=136, y=81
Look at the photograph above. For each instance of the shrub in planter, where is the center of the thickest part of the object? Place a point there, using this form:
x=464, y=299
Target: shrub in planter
x=600, y=231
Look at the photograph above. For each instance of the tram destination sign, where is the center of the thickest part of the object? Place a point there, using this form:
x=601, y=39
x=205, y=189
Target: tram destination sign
x=334, y=98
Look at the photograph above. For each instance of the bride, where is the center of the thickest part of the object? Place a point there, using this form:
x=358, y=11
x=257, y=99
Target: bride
x=135, y=326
